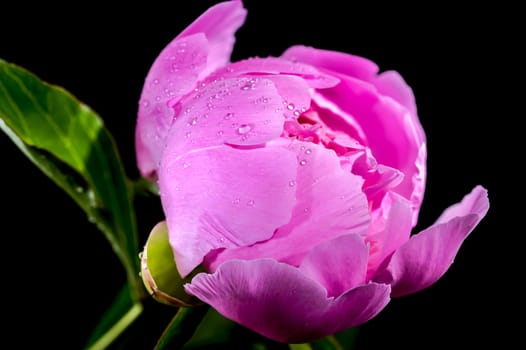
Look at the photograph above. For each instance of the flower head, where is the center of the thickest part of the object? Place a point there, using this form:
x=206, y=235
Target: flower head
x=294, y=181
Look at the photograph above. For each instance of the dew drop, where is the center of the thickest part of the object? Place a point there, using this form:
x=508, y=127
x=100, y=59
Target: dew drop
x=290, y=106
x=155, y=82
x=303, y=162
x=292, y=183
x=250, y=203
x=228, y=116
x=308, y=151
x=188, y=134
x=145, y=103
x=220, y=133
x=244, y=129
x=237, y=200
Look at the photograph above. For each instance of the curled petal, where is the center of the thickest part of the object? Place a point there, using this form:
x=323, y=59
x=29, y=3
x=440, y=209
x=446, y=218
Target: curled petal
x=280, y=302
x=426, y=256
x=200, y=49
x=339, y=62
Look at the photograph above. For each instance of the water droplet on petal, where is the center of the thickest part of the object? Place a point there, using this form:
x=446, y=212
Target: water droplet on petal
x=220, y=133
x=303, y=162
x=290, y=106
x=228, y=116
x=292, y=183
x=188, y=134
x=250, y=203
x=244, y=129
x=308, y=151
x=236, y=201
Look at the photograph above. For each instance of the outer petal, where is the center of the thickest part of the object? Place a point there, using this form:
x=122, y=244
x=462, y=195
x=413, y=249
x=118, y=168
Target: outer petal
x=224, y=197
x=339, y=264
x=173, y=74
x=423, y=259
x=281, y=303
x=219, y=23
x=201, y=48
x=330, y=204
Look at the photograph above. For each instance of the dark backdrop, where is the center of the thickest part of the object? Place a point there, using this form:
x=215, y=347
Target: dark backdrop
x=59, y=272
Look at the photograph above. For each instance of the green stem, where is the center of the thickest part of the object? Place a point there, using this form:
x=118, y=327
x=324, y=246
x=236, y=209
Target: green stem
x=117, y=329
x=182, y=327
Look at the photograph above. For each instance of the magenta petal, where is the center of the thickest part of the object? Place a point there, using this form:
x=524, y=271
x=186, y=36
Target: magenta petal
x=391, y=83
x=224, y=197
x=394, y=135
x=219, y=24
x=281, y=303
x=423, y=259
x=339, y=264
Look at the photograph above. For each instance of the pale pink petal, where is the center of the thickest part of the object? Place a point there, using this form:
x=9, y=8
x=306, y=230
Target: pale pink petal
x=338, y=62
x=238, y=111
x=338, y=264
x=219, y=23
x=423, y=259
x=278, y=66
x=279, y=302
x=173, y=74
x=224, y=197
x=330, y=204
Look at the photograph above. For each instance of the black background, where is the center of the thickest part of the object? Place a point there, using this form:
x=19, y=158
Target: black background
x=59, y=272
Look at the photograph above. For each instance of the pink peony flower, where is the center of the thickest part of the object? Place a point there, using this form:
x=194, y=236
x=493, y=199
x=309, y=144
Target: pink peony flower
x=294, y=181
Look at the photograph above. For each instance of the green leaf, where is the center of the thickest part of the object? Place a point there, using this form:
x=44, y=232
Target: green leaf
x=123, y=312
x=182, y=327
x=69, y=143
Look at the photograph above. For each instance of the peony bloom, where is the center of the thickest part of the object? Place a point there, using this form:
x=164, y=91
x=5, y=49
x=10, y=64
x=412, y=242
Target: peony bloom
x=293, y=181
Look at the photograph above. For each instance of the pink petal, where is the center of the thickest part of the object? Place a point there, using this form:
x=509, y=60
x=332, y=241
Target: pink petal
x=173, y=74
x=391, y=83
x=382, y=105
x=224, y=197
x=278, y=66
x=238, y=111
x=339, y=62
x=219, y=23
x=390, y=228
x=474, y=202
x=201, y=48
x=394, y=135
x=279, y=302
x=423, y=259
x=339, y=264
x=330, y=204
